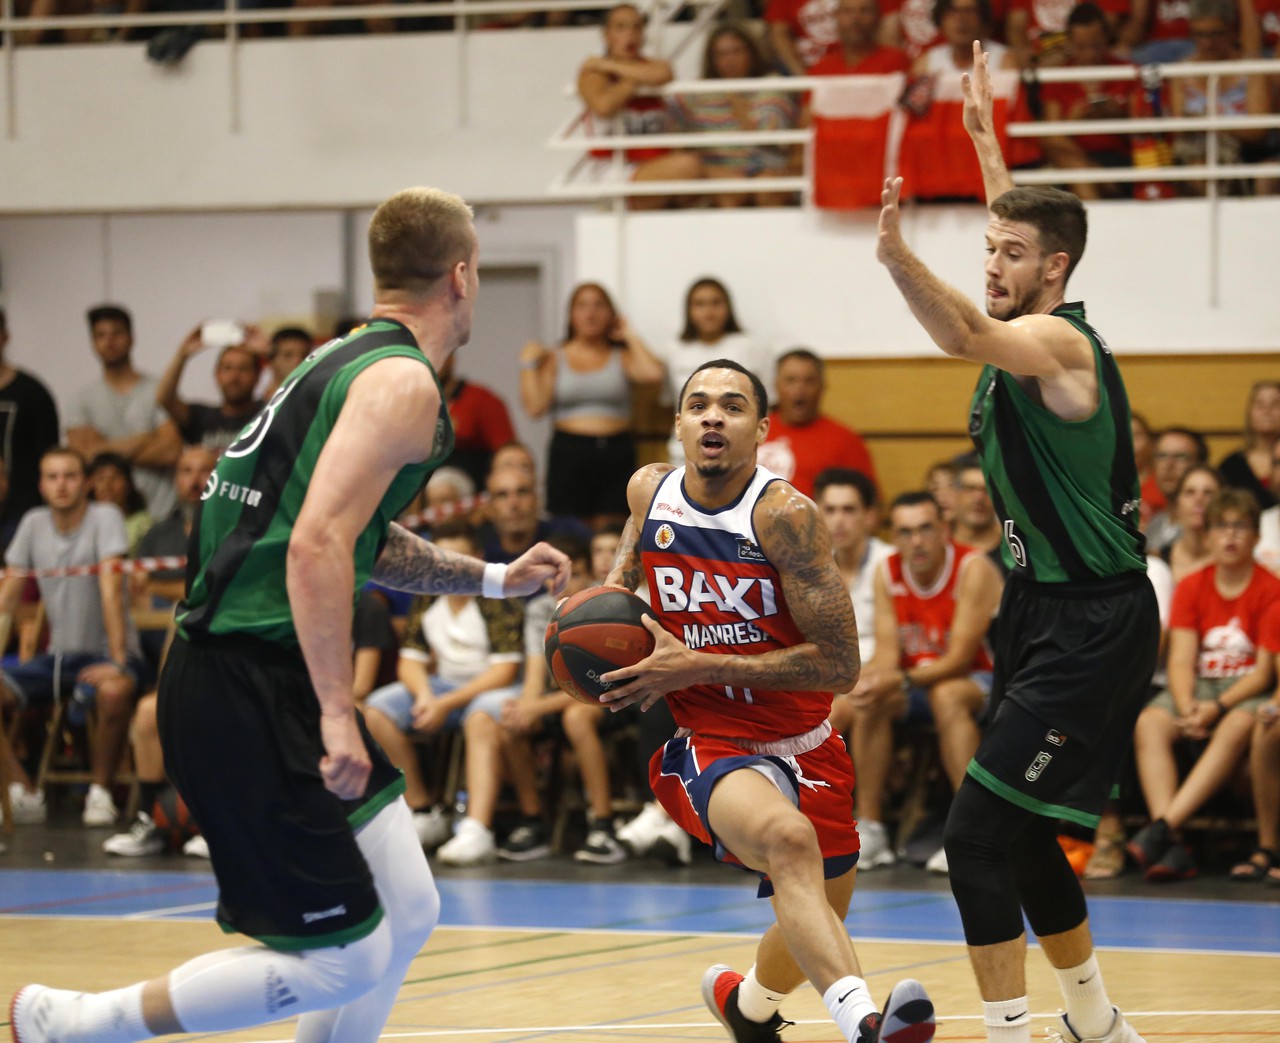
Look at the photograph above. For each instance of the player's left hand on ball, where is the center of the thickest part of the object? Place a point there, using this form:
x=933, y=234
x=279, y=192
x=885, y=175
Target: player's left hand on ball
x=647, y=681
x=345, y=765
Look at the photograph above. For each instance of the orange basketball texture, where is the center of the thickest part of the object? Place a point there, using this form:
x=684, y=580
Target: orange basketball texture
x=592, y=633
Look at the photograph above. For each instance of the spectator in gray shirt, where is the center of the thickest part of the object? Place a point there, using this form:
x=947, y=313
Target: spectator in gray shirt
x=119, y=413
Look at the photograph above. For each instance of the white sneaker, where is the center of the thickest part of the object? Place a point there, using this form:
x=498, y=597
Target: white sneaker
x=99, y=808
x=142, y=839
x=876, y=849
x=196, y=847
x=28, y=808
x=672, y=834
x=470, y=846
x=37, y=1013
x=643, y=831
x=938, y=863
x=1120, y=1032
x=433, y=827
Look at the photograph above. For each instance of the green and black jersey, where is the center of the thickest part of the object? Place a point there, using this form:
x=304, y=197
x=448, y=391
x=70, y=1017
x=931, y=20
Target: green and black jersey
x=1065, y=491
x=239, y=543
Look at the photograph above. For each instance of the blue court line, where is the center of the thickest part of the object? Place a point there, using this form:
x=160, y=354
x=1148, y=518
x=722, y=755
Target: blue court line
x=1144, y=923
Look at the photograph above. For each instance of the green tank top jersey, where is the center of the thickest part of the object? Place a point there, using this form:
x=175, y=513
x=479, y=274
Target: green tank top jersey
x=236, y=556
x=1065, y=491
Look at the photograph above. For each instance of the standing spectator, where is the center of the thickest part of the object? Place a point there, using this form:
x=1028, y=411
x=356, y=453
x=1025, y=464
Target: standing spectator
x=858, y=50
x=1177, y=449
x=93, y=655
x=711, y=330
x=1088, y=43
x=1251, y=467
x=28, y=427
x=1217, y=679
x=801, y=440
x=960, y=23
x=289, y=346
x=800, y=32
x=613, y=88
x=934, y=602
x=732, y=53
x=909, y=24
x=1268, y=550
x=1158, y=31
x=481, y=423
x=111, y=481
x=236, y=375
x=585, y=384
x=119, y=413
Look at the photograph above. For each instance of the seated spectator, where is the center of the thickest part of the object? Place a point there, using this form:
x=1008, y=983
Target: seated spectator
x=1144, y=452
x=93, y=656
x=28, y=426
x=111, y=481
x=1268, y=549
x=934, y=603
x=909, y=24
x=289, y=346
x=1214, y=37
x=1088, y=43
x=236, y=375
x=1157, y=31
x=1177, y=449
x=9, y=515
x=802, y=441
x=732, y=53
x=514, y=522
x=604, y=551
x=1191, y=549
x=118, y=413
x=446, y=490
x=481, y=422
x=711, y=331
x=960, y=23
x=1250, y=467
x=858, y=50
x=460, y=662
x=800, y=32
x=584, y=383
x=1217, y=680
x=613, y=89
x=974, y=523
x=1264, y=770
x=940, y=482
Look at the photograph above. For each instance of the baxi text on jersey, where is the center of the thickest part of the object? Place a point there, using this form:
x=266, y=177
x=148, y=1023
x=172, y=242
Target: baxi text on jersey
x=748, y=596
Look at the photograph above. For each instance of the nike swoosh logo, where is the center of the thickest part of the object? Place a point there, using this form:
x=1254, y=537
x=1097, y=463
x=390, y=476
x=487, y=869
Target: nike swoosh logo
x=846, y=995
x=1015, y=1017
x=1085, y=981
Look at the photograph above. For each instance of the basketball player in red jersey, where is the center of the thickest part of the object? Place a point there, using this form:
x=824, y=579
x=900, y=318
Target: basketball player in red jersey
x=756, y=631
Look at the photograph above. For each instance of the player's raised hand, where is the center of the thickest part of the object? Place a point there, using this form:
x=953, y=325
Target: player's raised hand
x=889, y=243
x=979, y=102
x=541, y=566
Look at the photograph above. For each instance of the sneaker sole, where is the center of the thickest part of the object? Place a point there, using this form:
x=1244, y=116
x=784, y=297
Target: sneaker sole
x=525, y=856
x=13, y=1015
x=599, y=860
x=908, y=1014
x=709, y=977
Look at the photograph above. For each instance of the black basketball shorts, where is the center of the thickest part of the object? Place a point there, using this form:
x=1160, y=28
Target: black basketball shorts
x=240, y=727
x=1073, y=665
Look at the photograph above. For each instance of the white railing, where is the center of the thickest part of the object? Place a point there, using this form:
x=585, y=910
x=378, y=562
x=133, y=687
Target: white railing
x=569, y=136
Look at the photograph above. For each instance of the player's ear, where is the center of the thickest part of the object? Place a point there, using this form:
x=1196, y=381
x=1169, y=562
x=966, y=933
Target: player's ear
x=458, y=279
x=762, y=430
x=1056, y=266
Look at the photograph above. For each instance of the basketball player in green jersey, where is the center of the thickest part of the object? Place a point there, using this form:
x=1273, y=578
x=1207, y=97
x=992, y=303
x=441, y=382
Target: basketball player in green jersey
x=314, y=850
x=1078, y=621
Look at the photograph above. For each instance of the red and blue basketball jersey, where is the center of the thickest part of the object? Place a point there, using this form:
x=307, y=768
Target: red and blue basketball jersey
x=713, y=588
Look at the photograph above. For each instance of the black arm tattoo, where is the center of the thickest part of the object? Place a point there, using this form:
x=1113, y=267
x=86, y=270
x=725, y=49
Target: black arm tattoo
x=626, y=571
x=795, y=539
x=410, y=563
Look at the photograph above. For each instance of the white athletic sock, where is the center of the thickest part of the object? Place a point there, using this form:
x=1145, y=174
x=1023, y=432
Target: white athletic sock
x=1007, y=1021
x=755, y=1001
x=107, y=1017
x=1088, y=1008
x=849, y=1001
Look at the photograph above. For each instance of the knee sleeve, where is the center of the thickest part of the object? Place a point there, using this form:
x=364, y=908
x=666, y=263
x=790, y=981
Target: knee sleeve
x=1047, y=885
x=237, y=988
x=977, y=840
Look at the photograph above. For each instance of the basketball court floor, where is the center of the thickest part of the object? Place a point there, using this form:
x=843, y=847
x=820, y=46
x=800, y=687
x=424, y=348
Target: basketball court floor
x=564, y=953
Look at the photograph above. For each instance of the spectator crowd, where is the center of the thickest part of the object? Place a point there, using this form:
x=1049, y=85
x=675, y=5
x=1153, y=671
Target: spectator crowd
x=100, y=495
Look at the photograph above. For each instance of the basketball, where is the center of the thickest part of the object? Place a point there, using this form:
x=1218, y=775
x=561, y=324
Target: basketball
x=173, y=820
x=592, y=633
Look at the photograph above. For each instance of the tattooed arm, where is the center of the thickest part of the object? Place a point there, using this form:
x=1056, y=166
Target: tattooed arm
x=626, y=571
x=408, y=562
x=794, y=538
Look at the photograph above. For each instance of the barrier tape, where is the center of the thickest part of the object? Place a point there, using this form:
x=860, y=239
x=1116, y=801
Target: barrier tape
x=129, y=565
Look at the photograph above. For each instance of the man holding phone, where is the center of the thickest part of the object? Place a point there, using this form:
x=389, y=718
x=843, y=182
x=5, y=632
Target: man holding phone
x=242, y=350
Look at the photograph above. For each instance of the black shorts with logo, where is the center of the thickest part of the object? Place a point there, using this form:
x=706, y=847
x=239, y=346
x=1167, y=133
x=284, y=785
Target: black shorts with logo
x=1073, y=665
x=240, y=727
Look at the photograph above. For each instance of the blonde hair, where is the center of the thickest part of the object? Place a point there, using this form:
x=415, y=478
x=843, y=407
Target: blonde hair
x=415, y=239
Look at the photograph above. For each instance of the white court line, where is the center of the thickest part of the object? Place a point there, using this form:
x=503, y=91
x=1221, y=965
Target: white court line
x=160, y=914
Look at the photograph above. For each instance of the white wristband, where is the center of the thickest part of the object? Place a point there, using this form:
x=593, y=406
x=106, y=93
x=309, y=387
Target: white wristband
x=495, y=578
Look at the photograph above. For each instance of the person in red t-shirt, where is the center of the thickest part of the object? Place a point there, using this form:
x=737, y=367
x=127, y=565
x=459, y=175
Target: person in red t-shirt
x=1217, y=680
x=481, y=423
x=934, y=602
x=1088, y=43
x=858, y=50
x=800, y=31
x=801, y=441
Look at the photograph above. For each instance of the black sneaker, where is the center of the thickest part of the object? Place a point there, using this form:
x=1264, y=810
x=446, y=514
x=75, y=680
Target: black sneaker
x=527, y=842
x=1175, y=864
x=908, y=1017
x=1149, y=844
x=601, y=847
x=720, y=994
